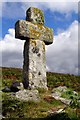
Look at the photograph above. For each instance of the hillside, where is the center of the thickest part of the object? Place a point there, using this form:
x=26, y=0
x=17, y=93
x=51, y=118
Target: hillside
x=53, y=79
x=13, y=108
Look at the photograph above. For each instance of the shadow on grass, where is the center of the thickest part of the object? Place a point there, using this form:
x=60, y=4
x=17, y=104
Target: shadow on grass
x=60, y=116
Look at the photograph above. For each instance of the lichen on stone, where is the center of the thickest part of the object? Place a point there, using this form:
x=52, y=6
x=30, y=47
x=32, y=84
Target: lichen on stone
x=34, y=31
x=33, y=42
x=43, y=44
x=35, y=15
x=36, y=35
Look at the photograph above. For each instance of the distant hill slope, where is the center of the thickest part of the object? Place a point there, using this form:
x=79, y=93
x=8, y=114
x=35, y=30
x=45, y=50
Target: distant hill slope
x=13, y=108
x=54, y=79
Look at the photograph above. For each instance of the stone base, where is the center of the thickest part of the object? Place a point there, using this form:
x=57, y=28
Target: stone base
x=28, y=95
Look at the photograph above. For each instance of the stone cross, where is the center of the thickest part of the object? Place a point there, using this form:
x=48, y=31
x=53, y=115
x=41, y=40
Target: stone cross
x=36, y=35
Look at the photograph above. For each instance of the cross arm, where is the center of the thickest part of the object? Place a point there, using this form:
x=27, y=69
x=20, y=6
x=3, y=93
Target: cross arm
x=25, y=29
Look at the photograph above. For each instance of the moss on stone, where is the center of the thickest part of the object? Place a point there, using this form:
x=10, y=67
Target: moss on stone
x=35, y=15
x=43, y=46
x=33, y=42
x=38, y=11
x=34, y=31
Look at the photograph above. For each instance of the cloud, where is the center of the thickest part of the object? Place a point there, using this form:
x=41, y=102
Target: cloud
x=20, y=6
x=62, y=55
x=11, y=50
x=39, y=0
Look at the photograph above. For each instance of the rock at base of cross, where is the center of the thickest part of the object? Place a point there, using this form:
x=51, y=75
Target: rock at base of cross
x=6, y=89
x=28, y=95
x=15, y=87
x=64, y=94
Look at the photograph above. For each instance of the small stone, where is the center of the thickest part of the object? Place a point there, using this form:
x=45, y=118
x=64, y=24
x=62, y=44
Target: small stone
x=61, y=91
x=65, y=101
x=56, y=95
x=60, y=111
x=21, y=87
x=75, y=93
x=6, y=89
x=14, y=86
x=56, y=111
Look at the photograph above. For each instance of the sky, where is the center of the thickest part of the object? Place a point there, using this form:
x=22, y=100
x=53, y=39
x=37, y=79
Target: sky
x=62, y=55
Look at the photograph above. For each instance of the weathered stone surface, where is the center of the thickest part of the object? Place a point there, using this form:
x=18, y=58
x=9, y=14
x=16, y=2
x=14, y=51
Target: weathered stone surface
x=28, y=95
x=36, y=36
x=34, y=66
x=60, y=89
x=35, y=15
x=25, y=29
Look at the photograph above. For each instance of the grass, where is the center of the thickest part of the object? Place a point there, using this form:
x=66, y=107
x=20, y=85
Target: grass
x=14, y=108
x=68, y=94
x=56, y=79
